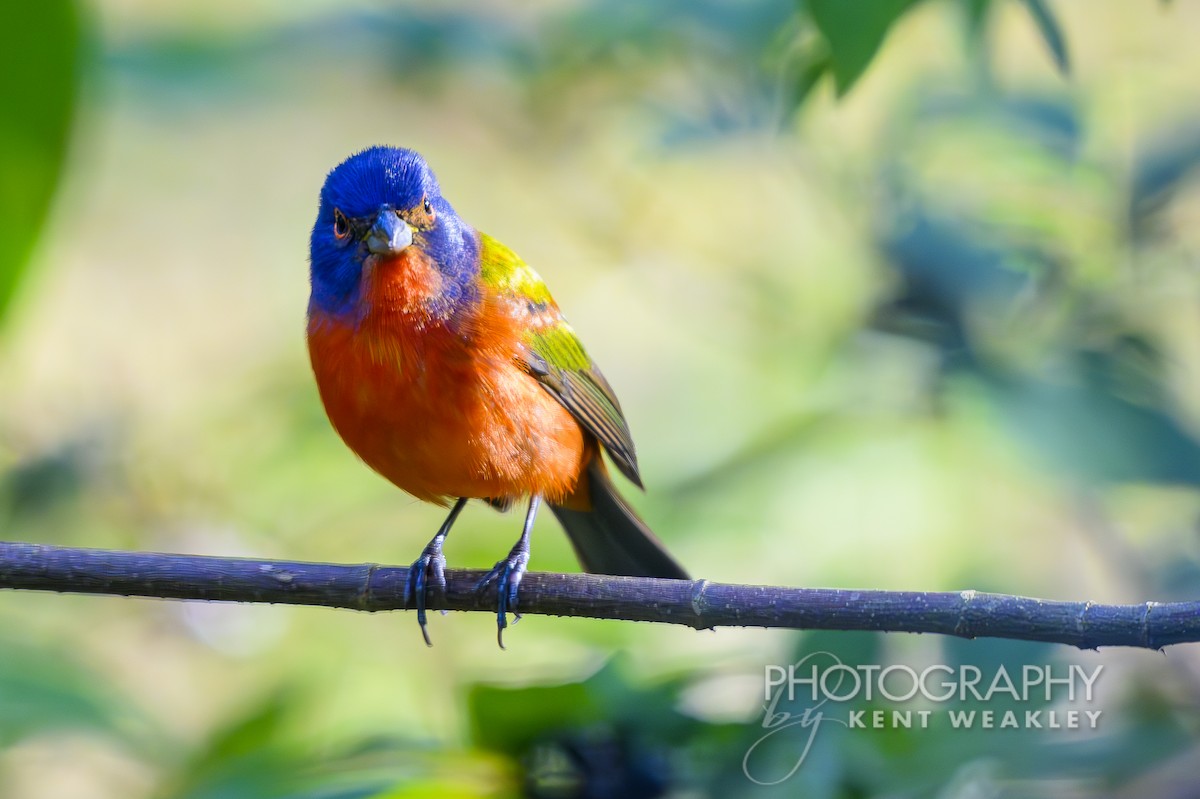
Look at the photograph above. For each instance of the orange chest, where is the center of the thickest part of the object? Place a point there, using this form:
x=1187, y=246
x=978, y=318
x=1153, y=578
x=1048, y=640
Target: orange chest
x=390, y=380
x=388, y=363
x=443, y=410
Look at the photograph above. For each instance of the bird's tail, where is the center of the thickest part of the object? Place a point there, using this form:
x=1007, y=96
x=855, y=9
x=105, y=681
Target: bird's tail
x=610, y=538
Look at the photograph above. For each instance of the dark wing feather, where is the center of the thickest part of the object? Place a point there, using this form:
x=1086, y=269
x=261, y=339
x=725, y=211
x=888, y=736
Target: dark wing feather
x=590, y=399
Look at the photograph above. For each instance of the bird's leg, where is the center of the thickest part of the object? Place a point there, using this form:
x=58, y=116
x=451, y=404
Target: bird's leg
x=507, y=573
x=429, y=570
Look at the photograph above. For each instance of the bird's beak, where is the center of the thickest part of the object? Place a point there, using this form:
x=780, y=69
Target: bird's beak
x=389, y=235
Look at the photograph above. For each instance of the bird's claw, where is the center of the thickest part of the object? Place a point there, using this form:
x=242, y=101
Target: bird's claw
x=507, y=575
x=427, y=573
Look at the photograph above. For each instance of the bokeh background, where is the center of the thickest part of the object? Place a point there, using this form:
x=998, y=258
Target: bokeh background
x=895, y=295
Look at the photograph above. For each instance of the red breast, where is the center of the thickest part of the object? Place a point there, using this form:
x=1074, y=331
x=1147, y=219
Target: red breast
x=439, y=406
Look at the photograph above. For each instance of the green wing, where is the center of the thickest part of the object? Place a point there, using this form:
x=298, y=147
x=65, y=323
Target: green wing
x=555, y=357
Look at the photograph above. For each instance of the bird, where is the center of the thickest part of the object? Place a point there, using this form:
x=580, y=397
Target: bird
x=444, y=363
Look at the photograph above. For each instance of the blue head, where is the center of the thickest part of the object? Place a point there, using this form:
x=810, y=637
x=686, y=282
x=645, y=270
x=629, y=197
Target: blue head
x=377, y=203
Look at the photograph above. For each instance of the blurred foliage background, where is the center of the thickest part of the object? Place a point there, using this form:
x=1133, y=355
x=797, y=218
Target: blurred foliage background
x=895, y=294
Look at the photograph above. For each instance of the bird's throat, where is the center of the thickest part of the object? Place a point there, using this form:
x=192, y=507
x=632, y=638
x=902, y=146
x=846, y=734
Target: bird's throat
x=408, y=285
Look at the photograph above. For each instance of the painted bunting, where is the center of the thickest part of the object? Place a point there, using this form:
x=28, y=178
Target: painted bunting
x=445, y=364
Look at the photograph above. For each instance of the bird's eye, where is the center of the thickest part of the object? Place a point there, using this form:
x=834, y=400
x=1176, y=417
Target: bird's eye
x=341, y=225
x=427, y=208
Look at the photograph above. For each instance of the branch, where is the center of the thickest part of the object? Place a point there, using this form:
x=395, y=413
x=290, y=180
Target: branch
x=699, y=604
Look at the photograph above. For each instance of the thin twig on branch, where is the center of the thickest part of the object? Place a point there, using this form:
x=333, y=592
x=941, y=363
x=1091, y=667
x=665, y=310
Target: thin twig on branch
x=699, y=603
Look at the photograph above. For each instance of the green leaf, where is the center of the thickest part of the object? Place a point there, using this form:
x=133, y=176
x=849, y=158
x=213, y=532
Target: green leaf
x=854, y=32
x=39, y=67
x=810, y=74
x=510, y=720
x=1051, y=32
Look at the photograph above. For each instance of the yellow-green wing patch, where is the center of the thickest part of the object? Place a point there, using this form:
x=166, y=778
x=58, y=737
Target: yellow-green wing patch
x=557, y=359
x=555, y=356
x=503, y=270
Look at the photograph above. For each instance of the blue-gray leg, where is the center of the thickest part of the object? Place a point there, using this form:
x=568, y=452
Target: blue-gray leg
x=507, y=573
x=429, y=571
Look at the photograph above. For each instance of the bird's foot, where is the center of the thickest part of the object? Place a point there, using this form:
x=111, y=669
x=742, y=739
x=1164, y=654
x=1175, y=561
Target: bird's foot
x=507, y=576
x=429, y=571
x=426, y=576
